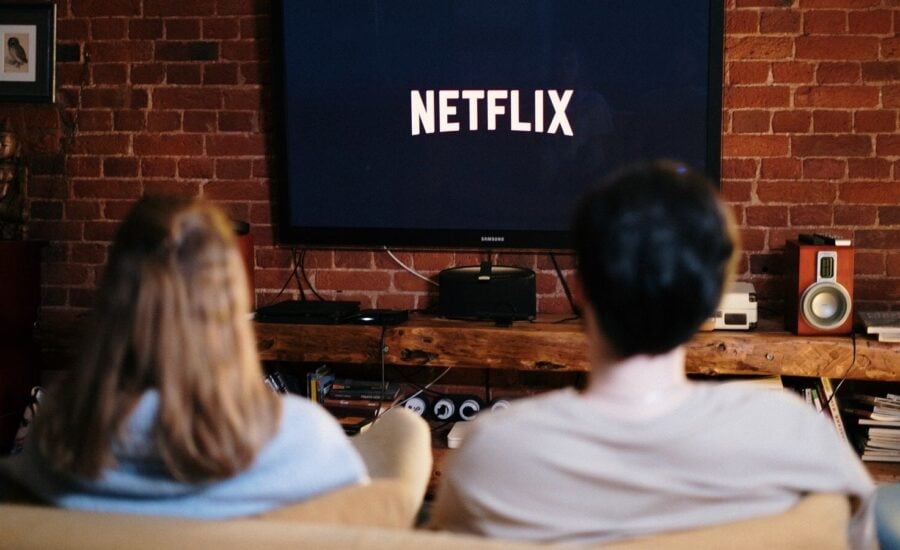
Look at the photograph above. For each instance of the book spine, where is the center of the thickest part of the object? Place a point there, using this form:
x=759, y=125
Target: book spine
x=834, y=408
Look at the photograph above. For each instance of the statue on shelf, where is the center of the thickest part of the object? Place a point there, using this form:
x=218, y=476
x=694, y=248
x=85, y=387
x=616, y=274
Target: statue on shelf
x=12, y=183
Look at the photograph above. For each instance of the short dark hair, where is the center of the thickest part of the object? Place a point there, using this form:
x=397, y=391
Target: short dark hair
x=655, y=246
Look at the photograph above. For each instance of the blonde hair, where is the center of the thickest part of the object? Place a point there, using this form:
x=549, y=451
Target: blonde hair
x=172, y=315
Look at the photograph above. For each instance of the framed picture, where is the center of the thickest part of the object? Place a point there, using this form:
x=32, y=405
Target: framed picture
x=28, y=42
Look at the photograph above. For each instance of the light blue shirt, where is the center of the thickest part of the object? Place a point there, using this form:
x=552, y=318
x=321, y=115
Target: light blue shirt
x=309, y=455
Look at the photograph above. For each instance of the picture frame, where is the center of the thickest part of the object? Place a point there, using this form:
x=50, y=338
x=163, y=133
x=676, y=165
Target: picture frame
x=28, y=48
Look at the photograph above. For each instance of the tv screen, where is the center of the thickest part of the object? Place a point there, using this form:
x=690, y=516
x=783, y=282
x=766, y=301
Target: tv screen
x=478, y=124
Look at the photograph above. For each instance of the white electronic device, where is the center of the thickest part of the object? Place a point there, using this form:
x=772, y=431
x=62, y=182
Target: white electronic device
x=738, y=310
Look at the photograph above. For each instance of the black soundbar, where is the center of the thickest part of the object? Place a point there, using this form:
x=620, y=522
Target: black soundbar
x=308, y=312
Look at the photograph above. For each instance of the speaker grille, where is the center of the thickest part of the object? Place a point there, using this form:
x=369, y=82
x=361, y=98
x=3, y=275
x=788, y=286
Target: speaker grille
x=825, y=305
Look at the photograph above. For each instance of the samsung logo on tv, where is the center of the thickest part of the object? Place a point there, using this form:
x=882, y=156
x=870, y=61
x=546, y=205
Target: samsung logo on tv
x=424, y=114
x=492, y=239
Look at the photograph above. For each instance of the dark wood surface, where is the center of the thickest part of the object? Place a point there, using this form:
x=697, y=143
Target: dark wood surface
x=547, y=345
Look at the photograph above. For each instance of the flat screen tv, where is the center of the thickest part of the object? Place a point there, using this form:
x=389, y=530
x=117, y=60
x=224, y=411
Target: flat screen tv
x=477, y=124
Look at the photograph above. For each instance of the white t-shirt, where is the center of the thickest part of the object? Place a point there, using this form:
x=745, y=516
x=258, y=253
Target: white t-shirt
x=555, y=469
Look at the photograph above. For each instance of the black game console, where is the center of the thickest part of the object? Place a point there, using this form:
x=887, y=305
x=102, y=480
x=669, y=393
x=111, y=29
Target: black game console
x=497, y=293
x=308, y=312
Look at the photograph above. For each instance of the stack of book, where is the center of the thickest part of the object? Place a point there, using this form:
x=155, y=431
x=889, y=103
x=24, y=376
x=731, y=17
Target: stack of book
x=886, y=324
x=357, y=403
x=878, y=418
x=819, y=393
x=318, y=383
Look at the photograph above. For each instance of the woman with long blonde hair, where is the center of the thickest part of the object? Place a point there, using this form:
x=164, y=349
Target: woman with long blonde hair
x=167, y=412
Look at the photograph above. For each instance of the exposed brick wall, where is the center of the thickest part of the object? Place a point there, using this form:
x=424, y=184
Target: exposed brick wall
x=174, y=96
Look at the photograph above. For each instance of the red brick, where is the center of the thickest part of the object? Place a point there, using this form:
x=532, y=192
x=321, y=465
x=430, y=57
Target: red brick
x=756, y=47
x=107, y=98
x=767, y=216
x=880, y=71
x=753, y=122
x=261, y=168
x=183, y=73
x=753, y=239
x=824, y=22
x=244, y=50
x=236, y=121
x=739, y=168
x=182, y=29
x=195, y=168
x=869, y=263
x=838, y=48
x=890, y=96
x=60, y=274
x=246, y=99
x=794, y=122
x=84, y=167
x=838, y=73
x=837, y=96
x=779, y=21
x=357, y=280
x=755, y=146
x=94, y=121
x=737, y=191
x=180, y=188
x=875, y=121
x=889, y=215
x=893, y=265
x=200, y=121
x=120, y=167
x=256, y=73
x=255, y=26
x=237, y=190
x=179, y=7
x=796, y=192
x=793, y=72
x=232, y=169
x=353, y=259
x=46, y=210
x=129, y=120
x=396, y=301
x=870, y=22
x=220, y=73
x=834, y=122
x=92, y=254
x=108, y=28
x=884, y=239
x=812, y=214
x=855, y=215
x=109, y=73
x=741, y=22
x=868, y=168
x=781, y=168
x=131, y=51
x=890, y=48
x=158, y=167
x=106, y=188
x=72, y=29
x=737, y=212
x=757, y=96
x=163, y=121
x=186, y=98
x=887, y=145
x=149, y=29
x=109, y=144
x=148, y=73
x=273, y=257
x=869, y=192
x=100, y=231
x=824, y=169
x=168, y=145
x=221, y=28
x=193, y=50
x=235, y=146
x=116, y=210
x=831, y=146
x=238, y=7
x=95, y=8
x=82, y=210
x=55, y=230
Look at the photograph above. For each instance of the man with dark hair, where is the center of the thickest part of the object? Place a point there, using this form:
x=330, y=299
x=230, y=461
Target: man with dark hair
x=642, y=449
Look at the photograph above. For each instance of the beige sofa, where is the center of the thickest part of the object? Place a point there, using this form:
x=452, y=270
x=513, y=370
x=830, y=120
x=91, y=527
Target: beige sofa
x=380, y=515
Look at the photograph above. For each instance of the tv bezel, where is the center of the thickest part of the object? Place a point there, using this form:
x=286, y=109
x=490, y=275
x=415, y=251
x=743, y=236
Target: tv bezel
x=436, y=238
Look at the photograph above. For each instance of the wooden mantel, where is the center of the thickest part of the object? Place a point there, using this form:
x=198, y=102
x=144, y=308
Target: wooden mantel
x=547, y=345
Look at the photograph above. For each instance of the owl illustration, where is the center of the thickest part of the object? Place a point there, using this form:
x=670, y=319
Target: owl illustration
x=15, y=53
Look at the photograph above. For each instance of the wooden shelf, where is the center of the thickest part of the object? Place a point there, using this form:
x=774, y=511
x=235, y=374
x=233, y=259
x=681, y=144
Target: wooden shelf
x=548, y=345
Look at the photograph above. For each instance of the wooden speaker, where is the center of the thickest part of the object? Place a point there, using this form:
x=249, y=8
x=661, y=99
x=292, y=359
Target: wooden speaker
x=819, y=289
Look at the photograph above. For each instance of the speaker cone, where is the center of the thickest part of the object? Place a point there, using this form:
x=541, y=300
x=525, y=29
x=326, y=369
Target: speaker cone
x=825, y=305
